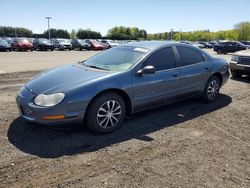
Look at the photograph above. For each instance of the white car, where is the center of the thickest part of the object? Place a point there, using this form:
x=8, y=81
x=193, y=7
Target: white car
x=111, y=43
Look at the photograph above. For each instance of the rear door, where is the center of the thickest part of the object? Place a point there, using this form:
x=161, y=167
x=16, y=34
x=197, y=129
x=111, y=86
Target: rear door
x=194, y=70
x=154, y=89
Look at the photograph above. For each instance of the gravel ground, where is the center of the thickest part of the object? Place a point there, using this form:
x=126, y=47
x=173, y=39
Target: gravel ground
x=188, y=144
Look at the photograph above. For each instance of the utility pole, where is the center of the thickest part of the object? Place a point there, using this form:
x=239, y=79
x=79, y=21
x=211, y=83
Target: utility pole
x=48, y=18
x=15, y=32
x=180, y=35
x=171, y=34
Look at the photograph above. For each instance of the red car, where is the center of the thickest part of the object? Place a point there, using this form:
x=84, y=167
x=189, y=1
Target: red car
x=95, y=45
x=22, y=44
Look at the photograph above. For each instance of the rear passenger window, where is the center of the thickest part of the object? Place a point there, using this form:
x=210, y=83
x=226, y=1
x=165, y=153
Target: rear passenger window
x=162, y=59
x=189, y=56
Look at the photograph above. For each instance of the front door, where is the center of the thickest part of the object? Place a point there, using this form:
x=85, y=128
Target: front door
x=150, y=90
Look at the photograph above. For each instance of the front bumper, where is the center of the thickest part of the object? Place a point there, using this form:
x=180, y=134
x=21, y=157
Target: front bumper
x=73, y=113
x=45, y=47
x=235, y=67
x=64, y=47
x=25, y=47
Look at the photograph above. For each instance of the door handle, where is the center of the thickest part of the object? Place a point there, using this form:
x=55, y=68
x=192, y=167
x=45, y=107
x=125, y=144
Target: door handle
x=175, y=75
x=207, y=68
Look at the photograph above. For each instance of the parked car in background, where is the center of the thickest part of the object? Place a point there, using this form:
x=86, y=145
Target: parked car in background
x=192, y=44
x=43, y=44
x=21, y=44
x=213, y=42
x=62, y=44
x=245, y=42
x=206, y=44
x=105, y=45
x=229, y=47
x=31, y=39
x=110, y=43
x=80, y=44
x=4, y=45
x=240, y=63
x=8, y=39
x=100, y=91
x=95, y=45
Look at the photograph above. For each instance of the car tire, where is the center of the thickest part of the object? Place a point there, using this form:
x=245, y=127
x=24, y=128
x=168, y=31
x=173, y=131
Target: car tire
x=211, y=89
x=106, y=113
x=236, y=74
x=219, y=51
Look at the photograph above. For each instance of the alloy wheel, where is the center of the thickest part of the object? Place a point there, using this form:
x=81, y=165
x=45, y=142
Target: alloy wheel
x=109, y=114
x=213, y=89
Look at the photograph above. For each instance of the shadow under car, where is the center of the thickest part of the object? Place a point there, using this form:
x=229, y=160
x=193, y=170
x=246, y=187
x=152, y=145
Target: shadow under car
x=47, y=142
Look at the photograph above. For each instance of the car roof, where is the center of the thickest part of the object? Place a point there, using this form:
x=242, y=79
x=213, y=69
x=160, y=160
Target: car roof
x=151, y=45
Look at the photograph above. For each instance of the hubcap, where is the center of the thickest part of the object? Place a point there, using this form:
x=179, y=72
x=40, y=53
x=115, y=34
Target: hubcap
x=109, y=114
x=213, y=89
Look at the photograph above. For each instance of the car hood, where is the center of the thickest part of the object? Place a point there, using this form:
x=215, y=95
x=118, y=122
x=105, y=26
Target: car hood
x=5, y=45
x=64, y=78
x=45, y=43
x=243, y=53
x=25, y=43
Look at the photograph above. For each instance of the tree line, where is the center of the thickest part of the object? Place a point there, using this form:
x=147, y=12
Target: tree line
x=241, y=31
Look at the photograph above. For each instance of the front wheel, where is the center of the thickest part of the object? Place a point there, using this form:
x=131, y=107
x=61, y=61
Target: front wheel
x=106, y=113
x=211, y=90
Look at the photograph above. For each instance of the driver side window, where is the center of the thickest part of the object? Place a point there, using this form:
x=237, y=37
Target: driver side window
x=162, y=59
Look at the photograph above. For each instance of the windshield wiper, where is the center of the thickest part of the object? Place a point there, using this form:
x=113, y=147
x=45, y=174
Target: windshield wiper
x=95, y=67
x=92, y=66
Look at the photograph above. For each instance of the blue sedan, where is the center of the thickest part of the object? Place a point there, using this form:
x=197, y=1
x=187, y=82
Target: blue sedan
x=100, y=91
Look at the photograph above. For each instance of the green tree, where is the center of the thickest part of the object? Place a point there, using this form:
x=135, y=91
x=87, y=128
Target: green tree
x=88, y=34
x=243, y=30
x=126, y=33
x=73, y=34
x=57, y=33
x=6, y=31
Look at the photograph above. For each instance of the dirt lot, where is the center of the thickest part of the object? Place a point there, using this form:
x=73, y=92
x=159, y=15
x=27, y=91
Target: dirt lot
x=189, y=144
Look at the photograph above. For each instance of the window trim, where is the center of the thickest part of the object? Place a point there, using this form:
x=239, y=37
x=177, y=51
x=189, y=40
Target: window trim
x=180, y=64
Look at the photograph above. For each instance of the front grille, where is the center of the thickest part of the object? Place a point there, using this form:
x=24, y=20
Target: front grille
x=244, y=60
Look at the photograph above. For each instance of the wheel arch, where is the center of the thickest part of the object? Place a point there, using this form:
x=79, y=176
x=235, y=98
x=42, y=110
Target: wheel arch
x=121, y=93
x=218, y=75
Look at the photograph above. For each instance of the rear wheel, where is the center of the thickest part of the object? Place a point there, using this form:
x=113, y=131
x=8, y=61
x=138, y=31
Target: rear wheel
x=211, y=90
x=219, y=51
x=106, y=113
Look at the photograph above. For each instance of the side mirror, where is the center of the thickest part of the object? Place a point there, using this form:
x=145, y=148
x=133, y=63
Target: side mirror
x=149, y=69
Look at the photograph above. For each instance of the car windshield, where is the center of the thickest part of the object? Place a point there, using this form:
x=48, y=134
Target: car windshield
x=23, y=40
x=240, y=43
x=3, y=42
x=117, y=59
x=81, y=41
x=63, y=40
x=44, y=40
x=95, y=42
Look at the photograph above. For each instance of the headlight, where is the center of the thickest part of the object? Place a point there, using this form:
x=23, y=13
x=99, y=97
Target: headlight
x=235, y=58
x=49, y=100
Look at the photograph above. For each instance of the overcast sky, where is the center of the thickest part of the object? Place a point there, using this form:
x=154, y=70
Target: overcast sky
x=152, y=15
